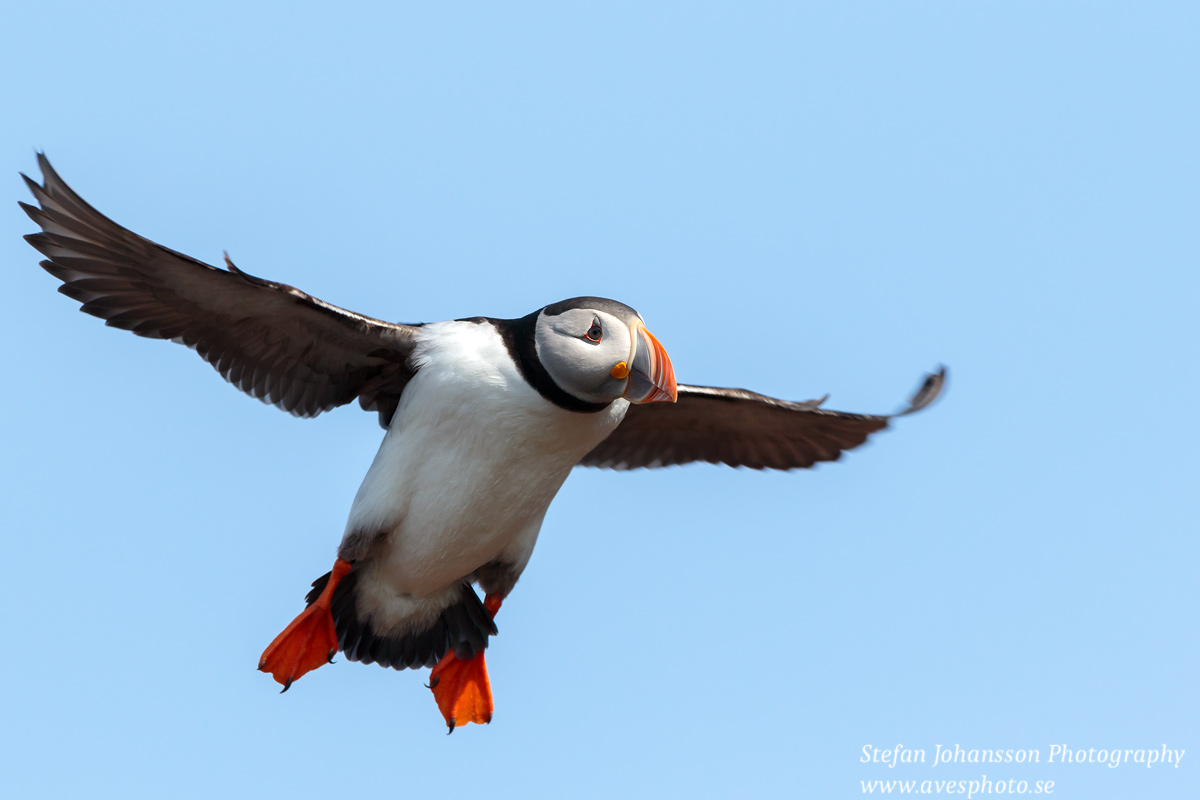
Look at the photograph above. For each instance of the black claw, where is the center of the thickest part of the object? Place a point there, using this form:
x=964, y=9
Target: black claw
x=451, y=723
x=329, y=657
x=286, y=686
x=433, y=682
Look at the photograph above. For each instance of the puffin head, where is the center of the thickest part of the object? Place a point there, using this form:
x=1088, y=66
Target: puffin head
x=598, y=350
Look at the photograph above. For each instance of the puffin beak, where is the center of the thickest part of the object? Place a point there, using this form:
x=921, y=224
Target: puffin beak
x=651, y=376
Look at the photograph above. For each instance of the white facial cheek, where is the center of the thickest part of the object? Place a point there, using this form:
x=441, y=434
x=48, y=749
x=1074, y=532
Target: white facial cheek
x=620, y=349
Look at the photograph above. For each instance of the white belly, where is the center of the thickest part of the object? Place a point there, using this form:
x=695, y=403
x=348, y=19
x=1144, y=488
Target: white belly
x=472, y=459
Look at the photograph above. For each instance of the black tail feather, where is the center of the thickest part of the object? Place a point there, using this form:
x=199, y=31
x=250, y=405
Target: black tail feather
x=463, y=626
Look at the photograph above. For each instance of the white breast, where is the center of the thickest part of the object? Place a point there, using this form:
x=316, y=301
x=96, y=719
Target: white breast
x=472, y=459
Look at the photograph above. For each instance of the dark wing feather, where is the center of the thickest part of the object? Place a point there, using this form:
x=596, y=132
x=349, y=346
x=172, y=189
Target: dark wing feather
x=270, y=340
x=741, y=429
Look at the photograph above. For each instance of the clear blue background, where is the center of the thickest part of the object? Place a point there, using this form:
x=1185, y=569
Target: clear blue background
x=800, y=200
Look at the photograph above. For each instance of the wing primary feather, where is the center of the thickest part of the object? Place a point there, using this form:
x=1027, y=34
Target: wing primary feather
x=929, y=391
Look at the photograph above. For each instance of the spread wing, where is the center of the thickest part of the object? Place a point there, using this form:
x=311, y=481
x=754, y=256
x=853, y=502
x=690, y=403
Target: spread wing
x=270, y=340
x=741, y=429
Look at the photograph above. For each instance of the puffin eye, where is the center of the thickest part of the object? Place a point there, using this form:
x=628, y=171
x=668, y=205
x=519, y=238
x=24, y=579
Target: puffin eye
x=595, y=333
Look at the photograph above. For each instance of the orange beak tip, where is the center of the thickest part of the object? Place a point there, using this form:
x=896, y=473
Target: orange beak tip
x=651, y=374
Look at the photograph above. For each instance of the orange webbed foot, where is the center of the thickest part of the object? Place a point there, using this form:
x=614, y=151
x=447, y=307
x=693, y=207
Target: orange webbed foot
x=461, y=688
x=309, y=641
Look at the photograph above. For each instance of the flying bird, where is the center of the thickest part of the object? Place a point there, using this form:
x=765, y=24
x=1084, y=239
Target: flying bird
x=484, y=418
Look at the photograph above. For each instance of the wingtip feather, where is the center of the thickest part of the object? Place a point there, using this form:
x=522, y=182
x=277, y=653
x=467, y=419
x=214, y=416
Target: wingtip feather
x=930, y=390
x=48, y=172
x=34, y=186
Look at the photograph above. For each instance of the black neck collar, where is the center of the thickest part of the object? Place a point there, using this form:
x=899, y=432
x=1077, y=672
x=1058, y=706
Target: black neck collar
x=519, y=338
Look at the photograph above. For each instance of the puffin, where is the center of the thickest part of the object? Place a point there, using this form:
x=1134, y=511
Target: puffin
x=484, y=420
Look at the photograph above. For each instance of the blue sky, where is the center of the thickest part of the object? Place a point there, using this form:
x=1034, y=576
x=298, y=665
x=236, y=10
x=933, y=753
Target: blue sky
x=799, y=199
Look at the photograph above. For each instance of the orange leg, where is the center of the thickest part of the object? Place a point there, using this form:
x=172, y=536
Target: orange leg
x=310, y=641
x=461, y=688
